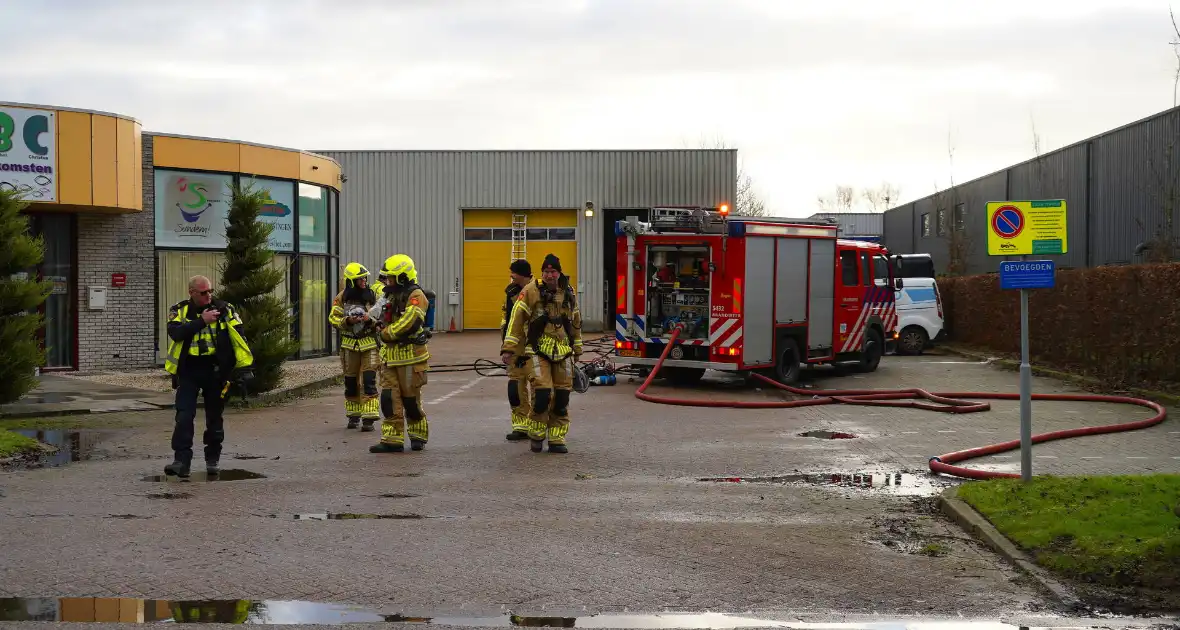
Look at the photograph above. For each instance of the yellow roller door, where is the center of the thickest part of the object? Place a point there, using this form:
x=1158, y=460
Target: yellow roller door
x=487, y=252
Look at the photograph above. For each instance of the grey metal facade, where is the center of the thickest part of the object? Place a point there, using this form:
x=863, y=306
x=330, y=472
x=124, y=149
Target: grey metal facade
x=412, y=202
x=853, y=224
x=1116, y=186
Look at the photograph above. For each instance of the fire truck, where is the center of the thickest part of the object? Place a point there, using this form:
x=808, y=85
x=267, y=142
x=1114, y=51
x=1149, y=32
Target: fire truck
x=764, y=295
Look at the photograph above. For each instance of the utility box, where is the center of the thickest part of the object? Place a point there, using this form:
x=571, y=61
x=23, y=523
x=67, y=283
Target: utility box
x=98, y=299
x=453, y=298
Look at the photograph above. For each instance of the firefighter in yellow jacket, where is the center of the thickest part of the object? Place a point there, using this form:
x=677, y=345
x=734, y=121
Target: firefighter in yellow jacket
x=401, y=318
x=518, y=370
x=358, y=346
x=546, y=327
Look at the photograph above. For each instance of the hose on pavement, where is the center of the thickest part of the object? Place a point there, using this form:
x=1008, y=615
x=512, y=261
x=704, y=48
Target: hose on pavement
x=916, y=398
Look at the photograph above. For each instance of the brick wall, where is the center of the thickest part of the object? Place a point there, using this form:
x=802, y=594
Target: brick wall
x=124, y=334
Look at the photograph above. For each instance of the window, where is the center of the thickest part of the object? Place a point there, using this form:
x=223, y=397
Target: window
x=537, y=234
x=502, y=234
x=926, y=224
x=278, y=210
x=175, y=268
x=562, y=234
x=848, y=267
x=313, y=219
x=867, y=272
x=880, y=267
x=477, y=234
x=942, y=222
x=191, y=209
x=960, y=217
x=313, y=304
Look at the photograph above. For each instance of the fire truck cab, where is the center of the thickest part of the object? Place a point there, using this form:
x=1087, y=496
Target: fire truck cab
x=769, y=295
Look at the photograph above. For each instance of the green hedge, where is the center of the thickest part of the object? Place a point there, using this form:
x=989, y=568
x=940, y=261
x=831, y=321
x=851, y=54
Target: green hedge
x=1117, y=324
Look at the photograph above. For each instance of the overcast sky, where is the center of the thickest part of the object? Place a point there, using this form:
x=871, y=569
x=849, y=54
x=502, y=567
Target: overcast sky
x=814, y=94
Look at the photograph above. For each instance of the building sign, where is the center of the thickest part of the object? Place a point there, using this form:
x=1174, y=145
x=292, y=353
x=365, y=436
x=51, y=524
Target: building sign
x=278, y=210
x=28, y=152
x=191, y=209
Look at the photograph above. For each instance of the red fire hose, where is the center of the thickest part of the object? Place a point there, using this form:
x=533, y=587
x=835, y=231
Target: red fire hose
x=948, y=402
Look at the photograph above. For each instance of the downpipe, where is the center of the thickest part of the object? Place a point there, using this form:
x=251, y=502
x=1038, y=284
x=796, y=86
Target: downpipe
x=915, y=398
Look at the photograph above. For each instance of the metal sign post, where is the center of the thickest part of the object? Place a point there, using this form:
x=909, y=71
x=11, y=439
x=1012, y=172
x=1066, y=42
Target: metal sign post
x=1022, y=228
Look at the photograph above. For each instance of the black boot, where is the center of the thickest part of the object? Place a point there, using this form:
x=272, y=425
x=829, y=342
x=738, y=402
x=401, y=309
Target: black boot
x=417, y=445
x=353, y=421
x=517, y=436
x=558, y=448
x=536, y=445
x=213, y=468
x=367, y=424
x=179, y=468
x=384, y=447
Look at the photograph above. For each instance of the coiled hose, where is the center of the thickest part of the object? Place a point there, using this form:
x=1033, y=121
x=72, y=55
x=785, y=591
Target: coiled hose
x=947, y=402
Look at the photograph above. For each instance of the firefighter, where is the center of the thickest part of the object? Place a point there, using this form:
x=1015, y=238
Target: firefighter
x=358, y=346
x=401, y=319
x=518, y=371
x=545, y=327
x=206, y=350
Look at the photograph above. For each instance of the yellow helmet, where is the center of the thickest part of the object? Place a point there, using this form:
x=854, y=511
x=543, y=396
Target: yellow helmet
x=355, y=271
x=399, y=264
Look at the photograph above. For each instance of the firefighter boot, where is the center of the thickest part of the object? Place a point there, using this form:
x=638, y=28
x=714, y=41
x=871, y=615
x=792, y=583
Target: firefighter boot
x=367, y=424
x=179, y=466
x=213, y=466
x=517, y=436
x=353, y=421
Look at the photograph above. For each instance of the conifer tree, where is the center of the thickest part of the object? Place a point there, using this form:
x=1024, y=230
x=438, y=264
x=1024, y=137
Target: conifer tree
x=20, y=295
x=248, y=282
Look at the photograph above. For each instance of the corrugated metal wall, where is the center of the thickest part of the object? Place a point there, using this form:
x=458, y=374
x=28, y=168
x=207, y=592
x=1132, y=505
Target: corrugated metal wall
x=856, y=223
x=412, y=201
x=1115, y=186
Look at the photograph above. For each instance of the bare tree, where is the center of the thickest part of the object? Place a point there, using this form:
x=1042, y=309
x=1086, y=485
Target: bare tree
x=881, y=197
x=1164, y=185
x=842, y=200
x=952, y=219
x=748, y=202
x=1176, y=51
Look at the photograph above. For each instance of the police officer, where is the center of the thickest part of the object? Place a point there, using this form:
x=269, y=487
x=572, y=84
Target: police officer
x=206, y=349
x=546, y=327
x=518, y=371
x=358, y=346
x=401, y=318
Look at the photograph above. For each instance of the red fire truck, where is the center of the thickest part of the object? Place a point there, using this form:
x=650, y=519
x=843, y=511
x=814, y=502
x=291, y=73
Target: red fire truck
x=752, y=294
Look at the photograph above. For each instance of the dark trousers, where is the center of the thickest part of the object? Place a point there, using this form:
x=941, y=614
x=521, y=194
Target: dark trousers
x=198, y=377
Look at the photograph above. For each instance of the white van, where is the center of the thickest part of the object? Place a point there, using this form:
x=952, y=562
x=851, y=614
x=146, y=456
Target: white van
x=919, y=305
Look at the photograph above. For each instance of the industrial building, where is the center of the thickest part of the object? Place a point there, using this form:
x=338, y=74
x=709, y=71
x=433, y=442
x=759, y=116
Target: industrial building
x=860, y=226
x=127, y=217
x=1118, y=186
x=463, y=216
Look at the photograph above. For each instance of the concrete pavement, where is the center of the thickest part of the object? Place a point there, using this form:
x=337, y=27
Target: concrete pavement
x=475, y=523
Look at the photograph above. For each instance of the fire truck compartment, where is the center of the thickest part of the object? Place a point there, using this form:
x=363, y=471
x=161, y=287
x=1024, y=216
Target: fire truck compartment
x=678, y=292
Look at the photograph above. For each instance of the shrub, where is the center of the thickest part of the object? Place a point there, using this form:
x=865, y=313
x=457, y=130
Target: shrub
x=20, y=295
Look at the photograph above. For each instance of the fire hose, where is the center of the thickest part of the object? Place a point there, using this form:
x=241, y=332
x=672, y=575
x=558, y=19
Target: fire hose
x=952, y=402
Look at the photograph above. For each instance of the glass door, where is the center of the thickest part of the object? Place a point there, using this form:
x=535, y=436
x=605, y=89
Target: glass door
x=58, y=327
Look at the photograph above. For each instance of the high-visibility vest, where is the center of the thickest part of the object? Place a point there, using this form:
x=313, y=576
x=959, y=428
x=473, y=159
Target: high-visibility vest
x=210, y=334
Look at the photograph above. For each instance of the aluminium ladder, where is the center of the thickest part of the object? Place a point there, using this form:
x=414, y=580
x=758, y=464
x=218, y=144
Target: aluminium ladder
x=519, y=236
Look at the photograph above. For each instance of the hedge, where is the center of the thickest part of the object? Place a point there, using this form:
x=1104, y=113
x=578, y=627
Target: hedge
x=1118, y=324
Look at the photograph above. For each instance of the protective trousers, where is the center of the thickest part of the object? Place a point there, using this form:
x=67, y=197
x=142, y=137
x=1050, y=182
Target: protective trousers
x=360, y=368
x=551, y=382
x=401, y=404
x=199, y=377
x=520, y=395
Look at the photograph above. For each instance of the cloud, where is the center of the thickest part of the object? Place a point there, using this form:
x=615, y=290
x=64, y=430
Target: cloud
x=814, y=94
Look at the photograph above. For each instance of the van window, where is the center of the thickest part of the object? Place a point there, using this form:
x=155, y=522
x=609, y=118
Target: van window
x=880, y=267
x=848, y=265
x=917, y=266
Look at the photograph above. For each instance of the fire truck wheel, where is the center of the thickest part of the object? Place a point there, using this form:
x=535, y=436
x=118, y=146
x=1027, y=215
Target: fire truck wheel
x=912, y=340
x=874, y=348
x=788, y=369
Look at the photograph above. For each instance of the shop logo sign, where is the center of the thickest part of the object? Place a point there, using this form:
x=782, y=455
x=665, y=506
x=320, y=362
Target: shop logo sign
x=194, y=214
x=200, y=202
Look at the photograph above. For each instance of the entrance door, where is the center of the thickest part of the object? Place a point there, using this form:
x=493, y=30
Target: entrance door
x=57, y=333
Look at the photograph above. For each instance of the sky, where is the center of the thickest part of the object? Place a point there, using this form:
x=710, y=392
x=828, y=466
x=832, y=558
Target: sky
x=813, y=95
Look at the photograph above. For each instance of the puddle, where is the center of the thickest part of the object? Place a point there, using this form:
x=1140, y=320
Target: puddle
x=233, y=474
x=828, y=435
x=245, y=611
x=72, y=446
x=345, y=516
x=903, y=484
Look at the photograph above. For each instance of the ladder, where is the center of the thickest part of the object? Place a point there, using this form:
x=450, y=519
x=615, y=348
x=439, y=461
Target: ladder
x=519, y=236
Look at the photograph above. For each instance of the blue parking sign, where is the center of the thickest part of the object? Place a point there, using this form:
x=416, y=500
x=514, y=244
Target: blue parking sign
x=1028, y=274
